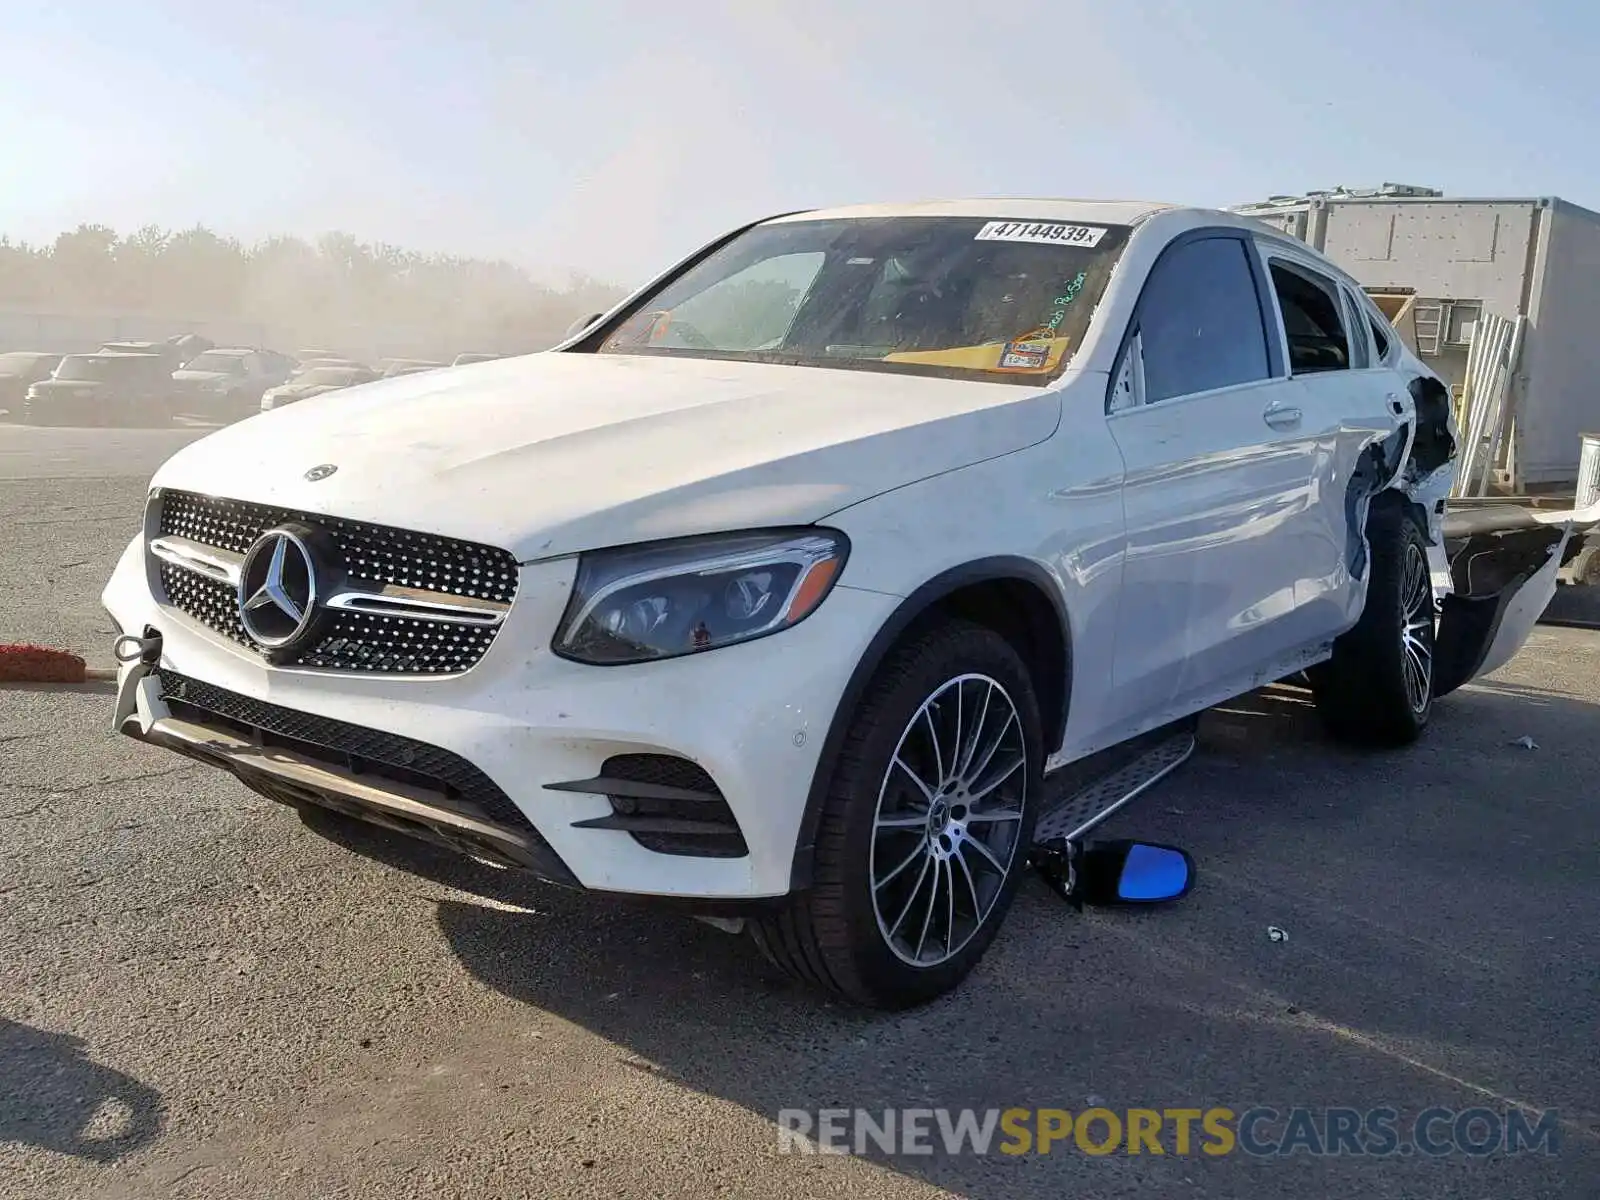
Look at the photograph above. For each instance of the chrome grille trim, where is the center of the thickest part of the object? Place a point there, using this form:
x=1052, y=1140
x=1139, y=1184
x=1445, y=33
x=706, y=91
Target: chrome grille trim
x=414, y=602
x=221, y=565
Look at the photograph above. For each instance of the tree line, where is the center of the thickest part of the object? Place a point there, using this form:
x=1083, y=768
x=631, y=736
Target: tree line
x=334, y=281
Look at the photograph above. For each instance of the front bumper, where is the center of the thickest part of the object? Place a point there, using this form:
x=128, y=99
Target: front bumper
x=753, y=716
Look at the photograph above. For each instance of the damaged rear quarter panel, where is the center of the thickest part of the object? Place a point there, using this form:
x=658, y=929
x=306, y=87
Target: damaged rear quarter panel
x=1415, y=462
x=1501, y=569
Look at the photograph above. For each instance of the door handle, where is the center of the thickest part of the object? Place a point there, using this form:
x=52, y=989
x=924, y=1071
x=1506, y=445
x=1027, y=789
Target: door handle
x=1281, y=416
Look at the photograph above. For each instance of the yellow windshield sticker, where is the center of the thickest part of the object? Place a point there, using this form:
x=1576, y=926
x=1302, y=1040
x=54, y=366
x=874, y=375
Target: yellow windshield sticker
x=1028, y=354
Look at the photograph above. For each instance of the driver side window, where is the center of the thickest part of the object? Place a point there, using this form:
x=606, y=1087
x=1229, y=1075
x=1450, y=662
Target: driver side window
x=751, y=309
x=1200, y=324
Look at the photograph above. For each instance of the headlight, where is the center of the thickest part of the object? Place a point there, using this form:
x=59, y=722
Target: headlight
x=666, y=599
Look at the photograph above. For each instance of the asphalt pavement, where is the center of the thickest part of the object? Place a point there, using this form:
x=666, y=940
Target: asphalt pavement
x=36, y=452
x=200, y=996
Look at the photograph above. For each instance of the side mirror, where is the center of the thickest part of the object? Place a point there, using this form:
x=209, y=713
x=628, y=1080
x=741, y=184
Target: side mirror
x=1113, y=873
x=1129, y=872
x=580, y=325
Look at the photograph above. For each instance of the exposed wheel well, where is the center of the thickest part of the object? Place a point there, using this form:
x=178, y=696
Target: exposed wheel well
x=1432, y=447
x=1021, y=613
x=1016, y=598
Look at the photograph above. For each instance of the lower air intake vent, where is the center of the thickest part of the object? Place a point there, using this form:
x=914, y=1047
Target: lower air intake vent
x=666, y=804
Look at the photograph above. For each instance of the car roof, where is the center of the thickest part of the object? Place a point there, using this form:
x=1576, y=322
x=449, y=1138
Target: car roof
x=239, y=350
x=1009, y=208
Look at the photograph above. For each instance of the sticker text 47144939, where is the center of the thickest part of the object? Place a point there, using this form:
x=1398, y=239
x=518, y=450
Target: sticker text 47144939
x=1046, y=232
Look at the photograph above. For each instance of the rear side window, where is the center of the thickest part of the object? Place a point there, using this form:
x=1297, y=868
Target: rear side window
x=1200, y=323
x=1380, y=339
x=1313, y=320
x=1360, y=347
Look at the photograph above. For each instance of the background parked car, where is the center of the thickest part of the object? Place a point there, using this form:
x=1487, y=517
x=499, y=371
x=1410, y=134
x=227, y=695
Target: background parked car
x=282, y=365
x=316, y=381
x=324, y=360
x=20, y=370
x=409, y=366
x=168, y=352
x=189, y=345
x=102, y=389
x=228, y=382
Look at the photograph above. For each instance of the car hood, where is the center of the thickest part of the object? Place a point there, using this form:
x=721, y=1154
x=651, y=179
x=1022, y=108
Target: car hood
x=554, y=453
x=184, y=375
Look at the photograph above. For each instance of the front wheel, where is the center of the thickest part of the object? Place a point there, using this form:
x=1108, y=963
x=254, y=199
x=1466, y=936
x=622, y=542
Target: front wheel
x=1377, y=689
x=925, y=827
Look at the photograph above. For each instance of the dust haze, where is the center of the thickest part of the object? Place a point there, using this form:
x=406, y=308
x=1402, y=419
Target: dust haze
x=370, y=301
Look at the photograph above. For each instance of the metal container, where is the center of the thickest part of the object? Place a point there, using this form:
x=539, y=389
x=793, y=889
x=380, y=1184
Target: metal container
x=1588, y=471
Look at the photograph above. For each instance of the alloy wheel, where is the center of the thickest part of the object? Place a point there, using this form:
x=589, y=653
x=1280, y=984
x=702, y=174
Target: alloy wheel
x=949, y=819
x=1416, y=628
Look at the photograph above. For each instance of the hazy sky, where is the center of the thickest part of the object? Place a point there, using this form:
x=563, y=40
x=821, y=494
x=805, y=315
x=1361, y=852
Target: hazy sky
x=615, y=135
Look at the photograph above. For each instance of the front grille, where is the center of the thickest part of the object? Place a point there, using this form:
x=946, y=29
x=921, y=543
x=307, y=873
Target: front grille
x=353, y=641
x=353, y=748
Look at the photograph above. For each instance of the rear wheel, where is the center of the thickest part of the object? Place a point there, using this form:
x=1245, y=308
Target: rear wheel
x=1377, y=689
x=925, y=826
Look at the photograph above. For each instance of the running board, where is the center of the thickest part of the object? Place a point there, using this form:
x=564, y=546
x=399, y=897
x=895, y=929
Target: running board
x=1085, y=793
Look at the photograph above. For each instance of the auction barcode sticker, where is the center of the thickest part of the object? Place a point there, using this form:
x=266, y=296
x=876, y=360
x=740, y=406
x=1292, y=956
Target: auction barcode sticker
x=1049, y=233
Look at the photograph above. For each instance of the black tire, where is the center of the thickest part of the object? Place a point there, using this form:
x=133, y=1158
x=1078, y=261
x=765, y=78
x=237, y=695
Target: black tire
x=832, y=935
x=1377, y=689
x=1586, y=566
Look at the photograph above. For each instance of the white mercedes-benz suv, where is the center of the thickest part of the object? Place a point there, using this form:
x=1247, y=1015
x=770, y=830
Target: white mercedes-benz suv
x=789, y=591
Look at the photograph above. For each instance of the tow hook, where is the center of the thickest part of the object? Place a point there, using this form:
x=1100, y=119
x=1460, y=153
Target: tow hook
x=145, y=650
x=141, y=656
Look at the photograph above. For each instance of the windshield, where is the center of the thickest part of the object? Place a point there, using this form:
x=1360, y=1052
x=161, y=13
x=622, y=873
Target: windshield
x=336, y=376
x=98, y=368
x=80, y=367
x=965, y=297
x=223, y=364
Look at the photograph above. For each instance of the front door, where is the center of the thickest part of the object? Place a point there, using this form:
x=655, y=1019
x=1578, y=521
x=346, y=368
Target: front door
x=1220, y=491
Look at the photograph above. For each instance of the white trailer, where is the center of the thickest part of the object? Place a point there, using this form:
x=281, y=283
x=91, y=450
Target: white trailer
x=1460, y=259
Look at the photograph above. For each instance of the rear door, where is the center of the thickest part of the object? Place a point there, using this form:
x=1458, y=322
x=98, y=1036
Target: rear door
x=1220, y=487
x=1349, y=399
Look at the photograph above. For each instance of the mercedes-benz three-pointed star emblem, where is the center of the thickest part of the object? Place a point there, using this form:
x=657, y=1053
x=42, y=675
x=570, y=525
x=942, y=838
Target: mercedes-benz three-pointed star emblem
x=277, y=589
